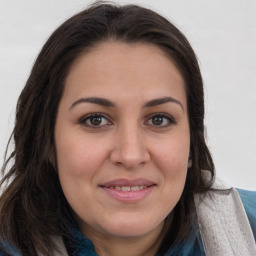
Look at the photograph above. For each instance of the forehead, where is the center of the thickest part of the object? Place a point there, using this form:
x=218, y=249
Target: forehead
x=116, y=68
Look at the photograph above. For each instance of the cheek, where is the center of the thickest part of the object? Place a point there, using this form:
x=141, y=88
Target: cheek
x=172, y=160
x=172, y=155
x=78, y=165
x=79, y=156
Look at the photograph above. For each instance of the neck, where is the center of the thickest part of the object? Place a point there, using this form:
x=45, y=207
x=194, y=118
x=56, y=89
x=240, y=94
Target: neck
x=106, y=245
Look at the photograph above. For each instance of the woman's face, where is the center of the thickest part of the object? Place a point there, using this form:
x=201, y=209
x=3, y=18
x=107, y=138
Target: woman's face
x=122, y=139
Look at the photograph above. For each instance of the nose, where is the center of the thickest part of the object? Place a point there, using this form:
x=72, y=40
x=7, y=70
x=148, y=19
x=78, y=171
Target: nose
x=129, y=149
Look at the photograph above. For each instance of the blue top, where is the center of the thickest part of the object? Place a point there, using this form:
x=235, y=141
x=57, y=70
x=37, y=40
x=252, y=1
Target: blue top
x=192, y=246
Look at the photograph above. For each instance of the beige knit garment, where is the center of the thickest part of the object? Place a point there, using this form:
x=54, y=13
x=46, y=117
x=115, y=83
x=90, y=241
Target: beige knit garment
x=223, y=224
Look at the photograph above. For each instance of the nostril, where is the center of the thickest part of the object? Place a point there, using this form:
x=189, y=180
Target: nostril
x=129, y=161
x=129, y=150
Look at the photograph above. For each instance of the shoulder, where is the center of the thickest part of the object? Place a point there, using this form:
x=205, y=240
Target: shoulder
x=2, y=253
x=8, y=250
x=249, y=202
x=3, y=250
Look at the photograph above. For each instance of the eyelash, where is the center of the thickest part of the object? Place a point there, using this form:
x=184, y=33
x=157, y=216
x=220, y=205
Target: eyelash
x=83, y=120
x=170, y=120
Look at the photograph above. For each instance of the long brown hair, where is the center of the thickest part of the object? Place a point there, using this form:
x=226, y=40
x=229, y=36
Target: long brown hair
x=32, y=205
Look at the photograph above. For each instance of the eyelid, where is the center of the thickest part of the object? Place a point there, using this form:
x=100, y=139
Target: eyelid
x=170, y=118
x=84, y=118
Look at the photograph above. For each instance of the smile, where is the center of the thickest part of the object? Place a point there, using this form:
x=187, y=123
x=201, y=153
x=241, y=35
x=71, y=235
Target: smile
x=128, y=190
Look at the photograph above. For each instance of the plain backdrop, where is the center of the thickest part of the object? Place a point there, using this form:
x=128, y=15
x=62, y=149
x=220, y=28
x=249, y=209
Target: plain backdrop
x=223, y=35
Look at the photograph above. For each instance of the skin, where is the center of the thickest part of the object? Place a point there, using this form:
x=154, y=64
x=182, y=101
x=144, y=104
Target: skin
x=125, y=143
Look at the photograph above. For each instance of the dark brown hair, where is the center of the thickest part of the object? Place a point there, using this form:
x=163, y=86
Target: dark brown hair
x=32, y=205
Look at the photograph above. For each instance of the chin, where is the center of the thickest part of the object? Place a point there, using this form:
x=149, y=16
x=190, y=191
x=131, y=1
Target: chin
x=131, y=229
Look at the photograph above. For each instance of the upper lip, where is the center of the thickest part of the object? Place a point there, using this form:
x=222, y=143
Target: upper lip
x=128, y=183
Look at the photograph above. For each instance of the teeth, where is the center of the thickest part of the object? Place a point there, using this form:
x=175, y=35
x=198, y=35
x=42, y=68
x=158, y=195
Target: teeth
x=135, y=188
x=126, y=188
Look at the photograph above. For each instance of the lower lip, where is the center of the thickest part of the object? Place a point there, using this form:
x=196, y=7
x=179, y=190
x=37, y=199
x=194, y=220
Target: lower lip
x=129, y=196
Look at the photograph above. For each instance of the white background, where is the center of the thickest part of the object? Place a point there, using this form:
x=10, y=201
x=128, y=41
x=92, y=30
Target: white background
x=222, y=33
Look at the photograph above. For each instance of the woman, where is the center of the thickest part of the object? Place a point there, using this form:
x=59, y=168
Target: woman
x=110, y=156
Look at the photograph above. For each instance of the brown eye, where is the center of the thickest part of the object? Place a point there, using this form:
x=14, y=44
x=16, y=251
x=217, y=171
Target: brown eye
x=94, y=121
x=161, y=120
x=157, y=120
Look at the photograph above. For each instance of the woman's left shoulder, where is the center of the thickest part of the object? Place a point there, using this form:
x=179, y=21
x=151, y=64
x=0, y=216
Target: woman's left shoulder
x=249, y=201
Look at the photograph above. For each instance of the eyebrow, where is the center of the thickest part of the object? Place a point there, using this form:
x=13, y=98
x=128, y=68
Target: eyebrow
x=108, y=103
x=160, y=101
x=94, y=100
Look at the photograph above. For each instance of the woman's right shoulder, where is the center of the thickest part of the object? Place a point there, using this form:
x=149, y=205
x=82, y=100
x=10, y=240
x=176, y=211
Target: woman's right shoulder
x=3, y=250
x=6, y=249
x=2, y=253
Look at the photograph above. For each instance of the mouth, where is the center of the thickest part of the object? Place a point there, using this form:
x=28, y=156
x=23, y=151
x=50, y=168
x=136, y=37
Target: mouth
x=128, y=190
x=127, y=183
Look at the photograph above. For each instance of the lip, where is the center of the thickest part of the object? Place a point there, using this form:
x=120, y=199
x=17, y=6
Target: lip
x=127, y=182
x=128, y=196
